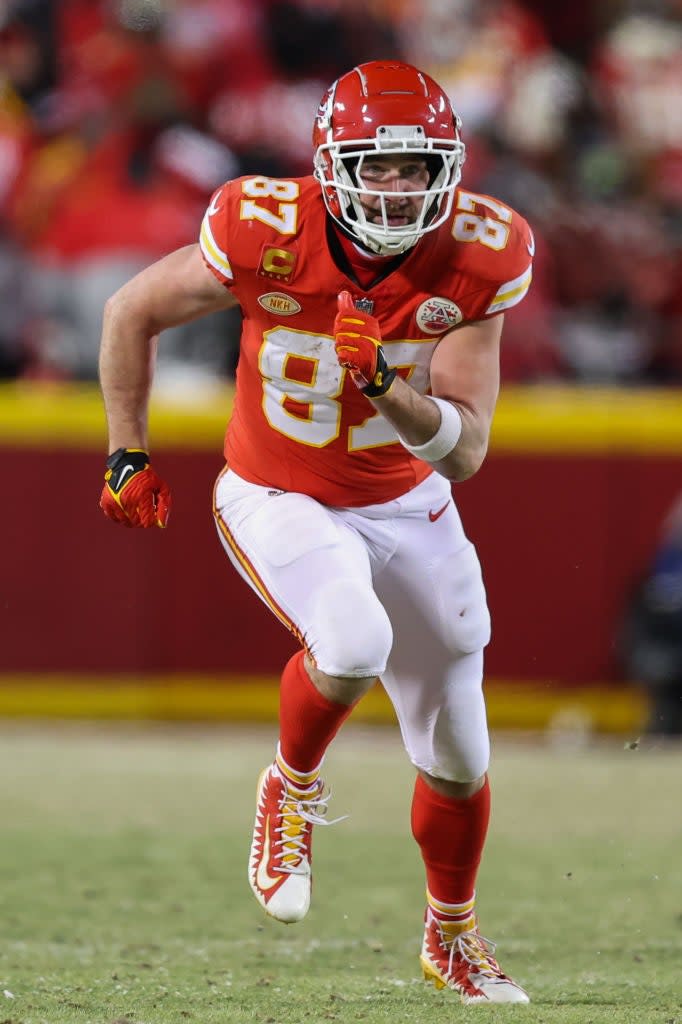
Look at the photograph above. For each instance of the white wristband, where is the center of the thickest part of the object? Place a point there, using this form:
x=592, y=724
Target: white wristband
x=445, y=438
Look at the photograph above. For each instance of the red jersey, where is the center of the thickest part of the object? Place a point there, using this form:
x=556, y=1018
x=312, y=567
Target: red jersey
x=299, y=423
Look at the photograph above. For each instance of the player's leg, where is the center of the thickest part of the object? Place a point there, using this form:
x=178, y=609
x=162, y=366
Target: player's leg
x=313, y=572
x=433, y=591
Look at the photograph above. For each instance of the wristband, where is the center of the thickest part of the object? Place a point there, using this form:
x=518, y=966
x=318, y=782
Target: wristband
x=122, y=465
x=445, y=438
x=122, y=455
x=383, y=379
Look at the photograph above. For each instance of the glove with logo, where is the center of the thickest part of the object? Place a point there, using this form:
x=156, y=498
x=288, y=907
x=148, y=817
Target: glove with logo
x=357, y=340
x=133, y=494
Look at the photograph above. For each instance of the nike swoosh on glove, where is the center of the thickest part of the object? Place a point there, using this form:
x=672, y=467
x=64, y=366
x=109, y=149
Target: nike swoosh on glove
x=357, y=341
x=133, y=494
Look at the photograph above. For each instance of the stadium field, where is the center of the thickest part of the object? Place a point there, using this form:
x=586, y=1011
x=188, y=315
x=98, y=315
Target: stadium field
x=124, y=896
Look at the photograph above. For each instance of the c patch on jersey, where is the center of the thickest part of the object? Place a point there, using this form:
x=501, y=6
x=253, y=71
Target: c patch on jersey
x=278, y=302
x=277, y=263
x=437, y=315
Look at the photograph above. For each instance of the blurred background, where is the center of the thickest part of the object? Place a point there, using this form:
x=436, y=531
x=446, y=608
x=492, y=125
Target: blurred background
x=118, y=118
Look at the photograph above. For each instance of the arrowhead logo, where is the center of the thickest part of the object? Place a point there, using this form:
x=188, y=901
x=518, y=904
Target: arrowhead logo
x=438, y=315
x=215, y=204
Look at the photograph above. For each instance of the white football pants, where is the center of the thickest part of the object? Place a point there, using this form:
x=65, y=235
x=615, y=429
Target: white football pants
x=391, y=590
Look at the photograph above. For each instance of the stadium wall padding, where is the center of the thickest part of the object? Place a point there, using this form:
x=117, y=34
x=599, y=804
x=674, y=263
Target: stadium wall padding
x=565, y=513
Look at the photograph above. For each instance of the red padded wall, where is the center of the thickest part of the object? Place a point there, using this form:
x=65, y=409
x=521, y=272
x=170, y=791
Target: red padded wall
x=561, y=538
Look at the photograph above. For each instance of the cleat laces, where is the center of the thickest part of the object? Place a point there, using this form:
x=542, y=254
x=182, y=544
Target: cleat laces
x=465, y=962
x=475, y=951
x=297, y=814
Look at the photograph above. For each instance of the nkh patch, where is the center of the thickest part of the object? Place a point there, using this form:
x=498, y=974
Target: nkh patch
x=278, y=302
x=437, y=315
x=364, y=305
x=277, y=263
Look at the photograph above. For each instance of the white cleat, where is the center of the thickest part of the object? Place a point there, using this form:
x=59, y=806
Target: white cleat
x=463, y=961
x=280, y=863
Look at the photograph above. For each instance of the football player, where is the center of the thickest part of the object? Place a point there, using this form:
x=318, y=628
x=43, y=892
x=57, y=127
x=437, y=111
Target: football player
x=373, y=294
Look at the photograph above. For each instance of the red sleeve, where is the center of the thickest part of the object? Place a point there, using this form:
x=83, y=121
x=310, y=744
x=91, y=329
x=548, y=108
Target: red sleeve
x=516, y=269
x=499, y=255
x=212, y=239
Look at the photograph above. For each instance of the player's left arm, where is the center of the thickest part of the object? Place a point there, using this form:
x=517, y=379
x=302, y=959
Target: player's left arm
x=451, y=432
x=450, y=429
x=465, y=372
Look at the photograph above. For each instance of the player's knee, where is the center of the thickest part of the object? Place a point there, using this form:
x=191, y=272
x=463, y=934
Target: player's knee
x=464, y=609
x=351, y=633
x=462, y=763
x=458, y=755
x=456, y=766
x=459, y=766
x=452, y=743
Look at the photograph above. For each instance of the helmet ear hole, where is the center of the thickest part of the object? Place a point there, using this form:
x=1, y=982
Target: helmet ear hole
x=351, y=165
x=435, y=166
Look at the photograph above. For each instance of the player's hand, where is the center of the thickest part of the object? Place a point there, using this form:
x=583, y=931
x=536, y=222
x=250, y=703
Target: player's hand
x=357, y=340
x=133, y=494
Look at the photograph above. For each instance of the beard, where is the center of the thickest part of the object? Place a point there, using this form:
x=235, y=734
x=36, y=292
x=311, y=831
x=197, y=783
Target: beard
x=395, y=214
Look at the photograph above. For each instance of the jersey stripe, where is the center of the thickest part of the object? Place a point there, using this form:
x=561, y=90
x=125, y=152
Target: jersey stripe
x=510, y=293
x=255, y=580
x=212, y=254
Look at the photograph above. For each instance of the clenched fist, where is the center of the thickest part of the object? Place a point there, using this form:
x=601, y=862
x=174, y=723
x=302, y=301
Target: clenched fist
x=133, y=494
x=357, y=340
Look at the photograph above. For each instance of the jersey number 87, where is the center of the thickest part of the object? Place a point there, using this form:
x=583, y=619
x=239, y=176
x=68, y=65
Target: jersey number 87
x=302, y=385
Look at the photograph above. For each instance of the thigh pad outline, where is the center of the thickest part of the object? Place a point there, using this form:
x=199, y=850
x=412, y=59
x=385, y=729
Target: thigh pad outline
x=288, y=527
x=462, y=605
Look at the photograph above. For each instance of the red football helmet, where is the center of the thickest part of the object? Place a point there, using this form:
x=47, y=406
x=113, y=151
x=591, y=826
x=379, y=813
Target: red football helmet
x=387, y=108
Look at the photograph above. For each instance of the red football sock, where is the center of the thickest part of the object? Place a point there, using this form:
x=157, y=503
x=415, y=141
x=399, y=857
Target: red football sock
x=451, y=834
x=308, y=722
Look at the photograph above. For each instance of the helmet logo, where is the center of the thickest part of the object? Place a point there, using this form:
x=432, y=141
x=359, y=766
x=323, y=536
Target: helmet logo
x=437, y=315
x=325, y=110
x=278, y=302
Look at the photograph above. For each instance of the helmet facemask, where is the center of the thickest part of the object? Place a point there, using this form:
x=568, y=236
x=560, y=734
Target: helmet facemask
x=338, y=168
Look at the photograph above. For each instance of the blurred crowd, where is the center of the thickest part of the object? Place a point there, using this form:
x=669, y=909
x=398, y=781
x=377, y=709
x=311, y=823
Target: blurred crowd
x=118, y=118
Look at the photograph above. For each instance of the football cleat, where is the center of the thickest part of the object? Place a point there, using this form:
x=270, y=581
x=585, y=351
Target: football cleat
x=463, y=961
x=280, y=871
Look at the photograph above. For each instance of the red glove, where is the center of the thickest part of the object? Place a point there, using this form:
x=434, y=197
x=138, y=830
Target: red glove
x=133, y=494
x=357, y=340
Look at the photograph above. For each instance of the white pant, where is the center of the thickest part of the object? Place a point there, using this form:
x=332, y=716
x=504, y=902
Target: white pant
x=392, y=590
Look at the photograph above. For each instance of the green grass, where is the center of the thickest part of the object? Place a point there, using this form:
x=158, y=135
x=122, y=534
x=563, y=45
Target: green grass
x=123, y=892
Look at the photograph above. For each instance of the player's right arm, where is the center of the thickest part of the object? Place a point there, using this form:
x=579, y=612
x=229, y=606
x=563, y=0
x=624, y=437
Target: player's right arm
x=175, y=290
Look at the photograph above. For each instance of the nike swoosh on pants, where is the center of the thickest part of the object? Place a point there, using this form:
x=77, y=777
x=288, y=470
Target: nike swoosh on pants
x=433, y=516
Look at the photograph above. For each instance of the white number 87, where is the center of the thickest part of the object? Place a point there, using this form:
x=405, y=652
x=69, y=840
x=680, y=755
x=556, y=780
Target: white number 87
x=470, y=226
x=286, y=192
